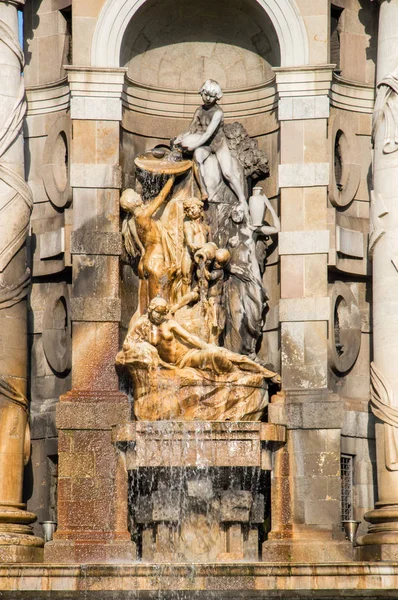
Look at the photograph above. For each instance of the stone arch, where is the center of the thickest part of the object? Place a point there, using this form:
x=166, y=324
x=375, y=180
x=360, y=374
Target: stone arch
x=116, y=15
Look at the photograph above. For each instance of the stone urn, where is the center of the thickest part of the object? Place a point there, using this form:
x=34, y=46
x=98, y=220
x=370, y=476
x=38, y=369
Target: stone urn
x=257, y=206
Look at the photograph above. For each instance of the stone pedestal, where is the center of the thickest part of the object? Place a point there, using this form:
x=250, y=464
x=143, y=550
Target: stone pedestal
x=198, y=489
x=306, y=519
x=306, y=488
x=92, y=493
x=92, y=484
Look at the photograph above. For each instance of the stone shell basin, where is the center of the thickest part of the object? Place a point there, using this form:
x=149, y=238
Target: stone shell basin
x=148, y=162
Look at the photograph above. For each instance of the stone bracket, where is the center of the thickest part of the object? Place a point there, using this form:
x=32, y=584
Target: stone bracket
x=350, y=242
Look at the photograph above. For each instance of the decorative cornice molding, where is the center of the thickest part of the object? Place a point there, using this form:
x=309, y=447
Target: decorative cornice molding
x=48, y=98
x=304, y=80
x=352, y=95
x=167, y=102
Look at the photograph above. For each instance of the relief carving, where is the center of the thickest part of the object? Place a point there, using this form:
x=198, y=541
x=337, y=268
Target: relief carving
x=378, y=210
x=383, y=407
x=16, y=200
x=386, y=108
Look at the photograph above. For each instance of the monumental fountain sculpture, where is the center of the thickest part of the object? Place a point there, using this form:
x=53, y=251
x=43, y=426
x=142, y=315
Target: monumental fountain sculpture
x=191, y=345
x=190, y=348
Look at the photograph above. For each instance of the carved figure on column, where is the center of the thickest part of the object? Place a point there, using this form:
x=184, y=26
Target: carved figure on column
x=17, y=543
x=386, y=107
x=244, y=292
x=196, y=234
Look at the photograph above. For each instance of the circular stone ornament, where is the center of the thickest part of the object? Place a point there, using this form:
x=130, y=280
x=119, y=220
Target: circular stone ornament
x=345, y=167
x=57, y=330
x=56, y=164
x=344, y=328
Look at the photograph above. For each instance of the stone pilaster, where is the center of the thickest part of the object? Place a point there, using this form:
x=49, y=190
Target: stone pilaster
x=306, y=482
x=17, y=543
x=381, y=542
x=92, y=500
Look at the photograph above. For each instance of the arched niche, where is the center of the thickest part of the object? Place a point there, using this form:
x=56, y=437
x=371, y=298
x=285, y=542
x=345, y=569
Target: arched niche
x=117, y=14
x=178, y=48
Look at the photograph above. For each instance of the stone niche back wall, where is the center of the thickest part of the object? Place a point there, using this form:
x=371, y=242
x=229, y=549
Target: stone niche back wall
x=179, y=45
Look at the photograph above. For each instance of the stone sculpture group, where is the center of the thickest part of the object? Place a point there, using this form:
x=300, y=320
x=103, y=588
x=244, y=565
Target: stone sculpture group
x=191, y=345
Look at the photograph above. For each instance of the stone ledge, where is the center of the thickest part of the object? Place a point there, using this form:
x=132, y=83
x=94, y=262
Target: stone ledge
x=352, y=95
x=230, y=581
x=47, y=98
x=96, y=242
x=104, y=82
x=304, y=81
x=184, y=443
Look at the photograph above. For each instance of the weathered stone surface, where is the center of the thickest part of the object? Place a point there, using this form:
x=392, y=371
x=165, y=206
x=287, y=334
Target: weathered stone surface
x=236, y=505
x=166, y=505
x=143, y=509
x=200, y=489
x=257, y=513
x=96, y=309
x=96, y=242
x=309, y=414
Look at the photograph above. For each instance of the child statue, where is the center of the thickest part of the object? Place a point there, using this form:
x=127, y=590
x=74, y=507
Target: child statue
x=196, y=235
x=206, y=137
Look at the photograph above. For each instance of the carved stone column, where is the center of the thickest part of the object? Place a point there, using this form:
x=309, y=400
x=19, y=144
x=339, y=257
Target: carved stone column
x=17, y=543
x=381, y=542
x=92, y=491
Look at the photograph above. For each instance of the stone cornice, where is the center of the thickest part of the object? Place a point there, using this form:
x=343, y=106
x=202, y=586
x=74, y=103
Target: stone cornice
x=96, y=92
x=352, y=95
x=48, y=97
x=167, y=102
x=313, y=80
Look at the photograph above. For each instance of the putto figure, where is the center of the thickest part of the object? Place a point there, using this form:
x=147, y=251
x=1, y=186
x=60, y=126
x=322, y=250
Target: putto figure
x=196, y=235
x=206, y=137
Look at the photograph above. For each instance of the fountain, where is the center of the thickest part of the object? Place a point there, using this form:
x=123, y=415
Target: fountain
x=198, y=367
x=198, y=455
